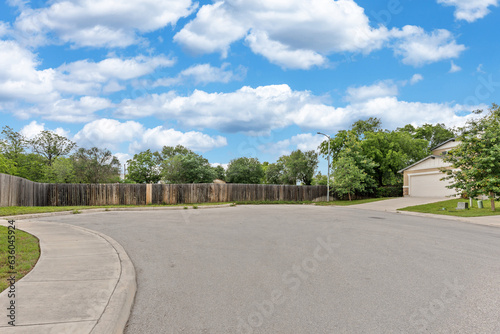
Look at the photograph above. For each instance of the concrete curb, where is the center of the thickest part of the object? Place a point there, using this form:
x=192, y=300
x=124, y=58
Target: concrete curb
x=116, y=311
x=470, y=220
x=86, y=211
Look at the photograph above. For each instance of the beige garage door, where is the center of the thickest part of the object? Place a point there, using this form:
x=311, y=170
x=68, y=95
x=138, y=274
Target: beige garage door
x=429, y=185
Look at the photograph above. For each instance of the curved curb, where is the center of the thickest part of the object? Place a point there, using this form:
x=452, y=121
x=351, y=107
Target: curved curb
x=115, y=315
x=90, y=210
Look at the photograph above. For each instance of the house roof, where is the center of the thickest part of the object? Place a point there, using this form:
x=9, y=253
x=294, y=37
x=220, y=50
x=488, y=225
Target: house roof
x=443, y=143
x=424, y=159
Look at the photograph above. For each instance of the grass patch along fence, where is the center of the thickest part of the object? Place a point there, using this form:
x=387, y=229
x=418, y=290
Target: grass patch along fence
x=449, y=208
x=16, y=191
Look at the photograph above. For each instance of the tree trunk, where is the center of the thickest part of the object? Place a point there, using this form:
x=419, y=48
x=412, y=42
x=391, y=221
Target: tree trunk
x=350, y=197
x=492, y=197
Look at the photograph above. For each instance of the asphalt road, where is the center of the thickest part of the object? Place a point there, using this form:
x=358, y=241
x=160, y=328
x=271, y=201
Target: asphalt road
x=305, y=269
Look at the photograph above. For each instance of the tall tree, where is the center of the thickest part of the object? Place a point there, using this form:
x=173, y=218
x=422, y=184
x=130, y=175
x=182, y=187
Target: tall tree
x=144, y=167
x=96, y=166
x=476, y=160
x=274, y=173
x=220, y=173
x=434, y=134
x=7, y=166
x=51, y=145
x=299, y=166
x=244, y=170
x=348, y=178
x=61, y=171
x=187, y=167
x=372, y=124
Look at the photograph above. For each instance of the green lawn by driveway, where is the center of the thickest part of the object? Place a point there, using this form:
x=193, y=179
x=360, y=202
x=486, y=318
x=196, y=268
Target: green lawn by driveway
x=449, y=208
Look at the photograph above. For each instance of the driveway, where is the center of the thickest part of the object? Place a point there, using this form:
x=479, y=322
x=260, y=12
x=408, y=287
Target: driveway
x=392, y=205
x=305, y=269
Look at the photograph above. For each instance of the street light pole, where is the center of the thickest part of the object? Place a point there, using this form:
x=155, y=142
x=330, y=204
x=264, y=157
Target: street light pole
x=328, y=179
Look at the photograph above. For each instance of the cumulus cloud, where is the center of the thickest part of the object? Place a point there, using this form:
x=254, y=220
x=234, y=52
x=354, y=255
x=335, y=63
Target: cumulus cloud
x=299, y=35
x=158, y=137
x=106, y=23
x=416, y=78
x=281, y=30
x=87, y=76
x=32, y=129
x=419, y=48
x=363, y=93
x=204, y=74
x=249, y=110
x=470, y=10
x=108, y=133
x=258, y=111
x=69, y=110
x=303, y=142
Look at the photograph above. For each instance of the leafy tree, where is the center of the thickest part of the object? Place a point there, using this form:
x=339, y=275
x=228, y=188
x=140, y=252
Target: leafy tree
x=96, y=166
x=372, y=124
x=320, y=180
x=434, y=134
x=169, y=151
x=220, y=173
x=392, y=151
x=145, y=167
x=13, y=143
x=61, y=171
x=244, y=170
x=187, y=167
x=7, y=166
x=299, y=166
x=51, y=145
x=476, y=160
x=348, y=178
x=274, y=173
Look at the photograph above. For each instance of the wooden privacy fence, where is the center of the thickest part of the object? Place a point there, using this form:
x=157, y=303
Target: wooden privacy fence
x=16, y=191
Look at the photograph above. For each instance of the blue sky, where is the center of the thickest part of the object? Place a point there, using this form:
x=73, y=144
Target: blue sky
x=241, y=78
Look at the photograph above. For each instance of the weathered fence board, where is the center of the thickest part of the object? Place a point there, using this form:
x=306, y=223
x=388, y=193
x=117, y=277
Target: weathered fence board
x=16, y=191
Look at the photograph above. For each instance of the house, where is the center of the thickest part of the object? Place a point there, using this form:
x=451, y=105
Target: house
x=423, y=178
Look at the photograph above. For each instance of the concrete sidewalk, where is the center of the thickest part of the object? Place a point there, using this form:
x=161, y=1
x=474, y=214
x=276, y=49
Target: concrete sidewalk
x=392, y=205
x=84, y=282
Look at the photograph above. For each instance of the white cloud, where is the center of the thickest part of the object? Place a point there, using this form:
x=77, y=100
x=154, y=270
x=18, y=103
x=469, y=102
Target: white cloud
x=4, y=28
x=416, y=78
x=123, y=157
x=68, y=110
x=253, y=111
x=282, y=54
x=455, y=68
x=363, y=93
x=19, y=78
x=309, y=29
x=204, y=74
x=419, y=48
x=303, y=142
x=470, y=10
x=301, y=34
x=31, y=130
x=258, y=111
x=106, y=23
x=158, y=137
x=108, y=133
x=86, y=77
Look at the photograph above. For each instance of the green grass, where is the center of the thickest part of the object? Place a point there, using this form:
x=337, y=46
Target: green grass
x=353, y=202
x=23, y=210
x=27, y=253
x=449, y=208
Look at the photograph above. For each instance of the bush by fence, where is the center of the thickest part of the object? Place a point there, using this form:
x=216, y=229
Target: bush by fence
x=16, y=191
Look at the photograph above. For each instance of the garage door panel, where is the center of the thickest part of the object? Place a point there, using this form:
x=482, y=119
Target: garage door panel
x=429, y=185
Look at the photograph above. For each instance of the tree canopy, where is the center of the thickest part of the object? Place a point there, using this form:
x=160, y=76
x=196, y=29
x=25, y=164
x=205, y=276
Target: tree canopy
x=476, y=160
x=244, y=170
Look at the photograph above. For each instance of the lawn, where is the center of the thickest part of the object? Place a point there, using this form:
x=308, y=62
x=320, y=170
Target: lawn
x=23, y=210
x=449, y=208
x=353, y=202
x=27, y=253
